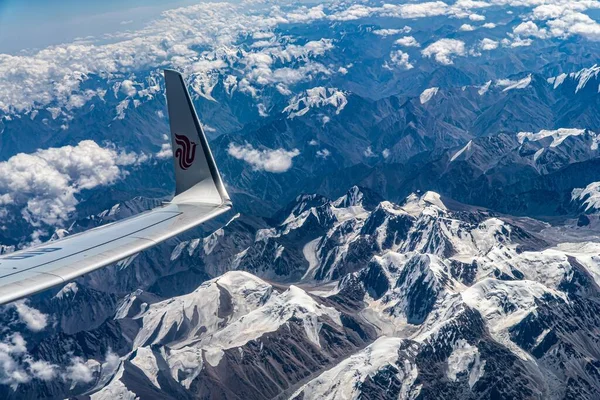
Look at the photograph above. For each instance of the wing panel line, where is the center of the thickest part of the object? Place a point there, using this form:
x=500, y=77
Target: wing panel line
x=93, y=247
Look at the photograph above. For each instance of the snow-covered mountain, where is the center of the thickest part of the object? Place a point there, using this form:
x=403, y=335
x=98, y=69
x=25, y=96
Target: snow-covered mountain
x=462, y=262
x=355, y=297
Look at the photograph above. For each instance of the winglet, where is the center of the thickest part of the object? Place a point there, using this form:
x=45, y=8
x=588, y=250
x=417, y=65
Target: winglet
x=196, y=175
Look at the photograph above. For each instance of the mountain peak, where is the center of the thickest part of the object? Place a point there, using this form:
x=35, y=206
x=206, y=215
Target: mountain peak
x=358, y=196
x=417, y=202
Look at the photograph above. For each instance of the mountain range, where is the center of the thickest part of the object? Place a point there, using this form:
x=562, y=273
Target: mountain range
x=416, y=205
x=354, y=297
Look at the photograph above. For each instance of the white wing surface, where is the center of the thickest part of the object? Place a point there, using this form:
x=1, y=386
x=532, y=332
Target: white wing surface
x=200, y=195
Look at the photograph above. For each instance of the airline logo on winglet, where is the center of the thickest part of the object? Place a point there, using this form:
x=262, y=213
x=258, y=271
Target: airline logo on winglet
x=186, y=151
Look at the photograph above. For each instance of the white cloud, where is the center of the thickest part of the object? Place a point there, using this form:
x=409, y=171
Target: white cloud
x=263, y=35
x=128, y=88
x=283, y=89
x=385, y=153
x=369, y=152
x=42, y=370
x=574, y=23
x=354, y=12
x=444, y=50
x=46, y=182
x=391, y=32
x=476, y=17
x=262, y=110
x=305, y=15
x=529, y=28
x=419, y=10
x=165, y=151
x=558, y=9
x=407, y=41
x=208, y=128
x=79, y=371
x=489, y=25
x=517, y=42
x=324, y=153
x=18, y=367
x=399, y=59
x=461, y=9
x=31, y=317
x=270, y=160
x=53, y=78
x=566, y=18
x=112, y=360
x=488, y=44
x=12, y=372
x=259, y=69
x=466, y=28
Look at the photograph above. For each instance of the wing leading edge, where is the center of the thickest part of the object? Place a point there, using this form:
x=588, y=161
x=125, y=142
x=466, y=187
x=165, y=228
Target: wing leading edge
x=200, y=195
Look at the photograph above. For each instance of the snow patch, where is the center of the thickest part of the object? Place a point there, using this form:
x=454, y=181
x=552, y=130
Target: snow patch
x=310, y=254
x=465, y=358
x=458, y=153
x=415, y=204
x=503, y=304
x=558, y=80
x=146, y=361
x=294, y=302
x=484, y=89
x=343, y=380
x=589, y=197
x=583, y=77
x=558, y=136
x=315, y=98
x=116, y=389
x=428, y=94
x=69, y=290
x=508, y=84
x=210, y=242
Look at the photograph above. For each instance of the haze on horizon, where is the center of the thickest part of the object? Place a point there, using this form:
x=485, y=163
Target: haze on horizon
x=37, y=24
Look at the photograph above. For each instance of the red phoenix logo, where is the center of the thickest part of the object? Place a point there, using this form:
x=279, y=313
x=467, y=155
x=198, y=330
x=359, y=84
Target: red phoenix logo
x=186, y=151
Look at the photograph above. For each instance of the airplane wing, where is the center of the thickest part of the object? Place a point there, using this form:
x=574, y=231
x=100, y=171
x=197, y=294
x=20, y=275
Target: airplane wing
x=199, y=196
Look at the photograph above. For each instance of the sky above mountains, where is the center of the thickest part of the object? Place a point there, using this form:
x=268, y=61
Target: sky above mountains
x=36, y=23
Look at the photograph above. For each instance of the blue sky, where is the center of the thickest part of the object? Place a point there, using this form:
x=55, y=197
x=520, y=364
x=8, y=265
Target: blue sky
x=39, y=23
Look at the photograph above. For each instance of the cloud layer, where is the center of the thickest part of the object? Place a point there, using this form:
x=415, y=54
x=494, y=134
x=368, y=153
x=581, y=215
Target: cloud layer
x=277, y=161
x=52, y=78
x=444, y=50
x=33, y=319
x=242, y=42
x=18, y=367
x=45, y=184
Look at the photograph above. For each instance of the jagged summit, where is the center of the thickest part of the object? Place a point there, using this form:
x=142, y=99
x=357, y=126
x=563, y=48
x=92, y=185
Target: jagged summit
x=358, y=196
x=335, y=295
